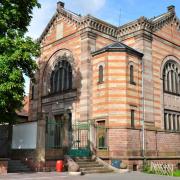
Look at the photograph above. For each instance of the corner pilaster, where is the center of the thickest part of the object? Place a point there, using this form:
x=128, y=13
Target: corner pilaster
x=88, y=45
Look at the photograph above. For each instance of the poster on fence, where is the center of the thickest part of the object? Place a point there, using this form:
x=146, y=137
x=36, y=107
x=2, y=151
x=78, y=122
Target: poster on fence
x=24, y=136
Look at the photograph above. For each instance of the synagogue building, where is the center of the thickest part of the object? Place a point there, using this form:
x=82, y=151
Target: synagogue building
x=110, y=91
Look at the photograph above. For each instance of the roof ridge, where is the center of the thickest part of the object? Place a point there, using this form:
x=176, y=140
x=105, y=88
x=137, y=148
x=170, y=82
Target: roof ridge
x=90, y=21
x=117, y=47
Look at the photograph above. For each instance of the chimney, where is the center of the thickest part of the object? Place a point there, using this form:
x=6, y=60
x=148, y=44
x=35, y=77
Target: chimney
x=60, y=5
x=171, y=8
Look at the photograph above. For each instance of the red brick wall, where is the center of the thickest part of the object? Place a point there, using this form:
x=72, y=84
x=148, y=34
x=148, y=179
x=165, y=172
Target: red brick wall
x=157, y=143
x=117, y=142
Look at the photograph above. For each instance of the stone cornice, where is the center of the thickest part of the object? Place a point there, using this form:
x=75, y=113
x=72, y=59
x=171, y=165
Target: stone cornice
x=148, y=25
x=139, y=24
x=99, y=25
x=88, y=34
x=159, y=22
x=177, y=22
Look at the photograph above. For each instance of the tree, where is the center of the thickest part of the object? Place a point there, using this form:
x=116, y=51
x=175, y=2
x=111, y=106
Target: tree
x=17, y=53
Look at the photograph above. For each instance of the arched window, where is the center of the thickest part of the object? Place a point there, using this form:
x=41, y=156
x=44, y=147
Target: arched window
x=171, y=77
x=101, y=74
x=131, y=73
x=61, y=77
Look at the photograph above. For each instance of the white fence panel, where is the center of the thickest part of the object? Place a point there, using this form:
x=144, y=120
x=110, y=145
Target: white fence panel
x=162, y=168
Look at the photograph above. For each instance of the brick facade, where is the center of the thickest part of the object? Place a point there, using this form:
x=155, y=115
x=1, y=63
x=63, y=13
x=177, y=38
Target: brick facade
x=87, y=43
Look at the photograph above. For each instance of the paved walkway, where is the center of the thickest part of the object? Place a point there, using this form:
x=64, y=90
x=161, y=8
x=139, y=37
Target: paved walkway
x=65, y=176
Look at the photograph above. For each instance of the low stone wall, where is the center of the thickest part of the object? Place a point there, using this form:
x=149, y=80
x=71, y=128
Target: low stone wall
x=22, y=154
x=3, y=141
x=3, y=166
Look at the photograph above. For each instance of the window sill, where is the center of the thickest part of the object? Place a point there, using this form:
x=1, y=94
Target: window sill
x=102, y=148
x=100, y=82
x=60, y=93
x=132, y=83
x=172, y=93
x=172, y=131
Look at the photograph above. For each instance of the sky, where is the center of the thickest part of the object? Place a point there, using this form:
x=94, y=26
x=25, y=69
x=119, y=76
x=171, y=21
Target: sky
x=116, y=12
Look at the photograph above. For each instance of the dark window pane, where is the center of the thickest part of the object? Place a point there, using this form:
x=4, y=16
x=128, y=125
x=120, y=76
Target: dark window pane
x=132, y=118
x=70, y=80
x=171, y=79
x=131, y=74
x=165, y=121
x=101, y=135
x=101, y=74
x=32, y=95
x=169, y=121
x=178, y=122
x=174, y=122
x=61, y=77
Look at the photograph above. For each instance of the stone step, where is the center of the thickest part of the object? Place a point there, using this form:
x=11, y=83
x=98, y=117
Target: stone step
x=83, y=159
x=19, y=171
x=90, y=162
x=92, y=168
x=89, y=165
x=104, y=170
x=18, y=164
x=18, y=167
x=15, y=166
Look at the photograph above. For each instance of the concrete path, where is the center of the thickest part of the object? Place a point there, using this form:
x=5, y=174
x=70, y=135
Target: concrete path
x=65, y=176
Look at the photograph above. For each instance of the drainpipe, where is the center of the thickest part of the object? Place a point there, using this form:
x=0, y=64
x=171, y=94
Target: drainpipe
x=143, y=115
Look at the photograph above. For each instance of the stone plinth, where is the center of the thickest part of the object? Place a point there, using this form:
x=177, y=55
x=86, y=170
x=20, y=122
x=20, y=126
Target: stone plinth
x=3, y=165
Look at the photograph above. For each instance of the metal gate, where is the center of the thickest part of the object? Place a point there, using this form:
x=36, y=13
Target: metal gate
x=80, y=140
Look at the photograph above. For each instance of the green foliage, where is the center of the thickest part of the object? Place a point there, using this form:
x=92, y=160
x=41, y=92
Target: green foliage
x=147, y=169
x=17, y=54
x=176, y=173
x=16, y=14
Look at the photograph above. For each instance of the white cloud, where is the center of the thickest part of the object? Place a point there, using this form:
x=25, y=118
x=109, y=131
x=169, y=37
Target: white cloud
x=93, y=6
x=41, y=17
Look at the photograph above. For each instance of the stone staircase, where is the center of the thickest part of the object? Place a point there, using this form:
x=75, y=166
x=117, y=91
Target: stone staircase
x=88, y=166
x=16, y=166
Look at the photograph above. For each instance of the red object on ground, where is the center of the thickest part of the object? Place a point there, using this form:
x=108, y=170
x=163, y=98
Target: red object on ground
x=59, y=166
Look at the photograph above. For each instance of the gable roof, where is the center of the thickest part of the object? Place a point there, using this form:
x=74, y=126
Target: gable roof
x=152, y=24
x=68, y=14
x=118, y=47
x=81, y=21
